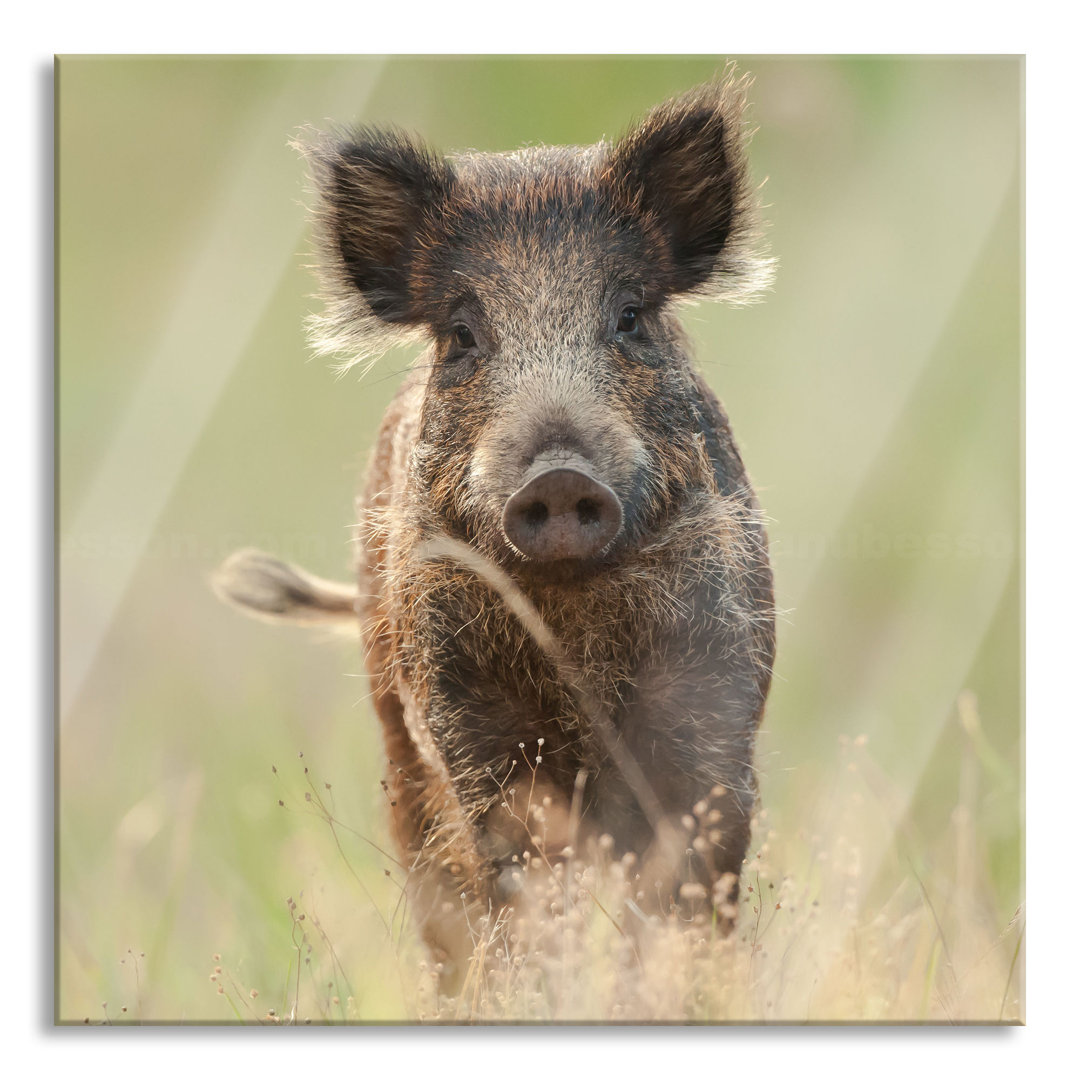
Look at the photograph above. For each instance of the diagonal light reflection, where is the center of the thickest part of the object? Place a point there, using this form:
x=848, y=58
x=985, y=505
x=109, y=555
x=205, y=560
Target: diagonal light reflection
x=907, y=654
x=187, y=373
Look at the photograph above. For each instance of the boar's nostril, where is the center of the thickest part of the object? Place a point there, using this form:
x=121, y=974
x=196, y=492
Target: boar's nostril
x=535, y=514
x=562, y=513
x=588, y=511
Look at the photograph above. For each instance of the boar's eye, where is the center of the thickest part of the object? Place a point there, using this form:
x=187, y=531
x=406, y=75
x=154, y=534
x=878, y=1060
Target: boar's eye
x=628, y=320
x=462, y=337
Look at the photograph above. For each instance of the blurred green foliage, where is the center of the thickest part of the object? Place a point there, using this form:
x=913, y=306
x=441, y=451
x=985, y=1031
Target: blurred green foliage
x=876, y=394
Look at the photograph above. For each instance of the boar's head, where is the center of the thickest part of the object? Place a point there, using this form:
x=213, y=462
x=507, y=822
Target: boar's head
x=561, y=423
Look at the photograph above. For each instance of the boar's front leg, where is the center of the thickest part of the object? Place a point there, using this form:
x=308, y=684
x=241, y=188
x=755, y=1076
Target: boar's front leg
x=510, y=760
x=691, y=726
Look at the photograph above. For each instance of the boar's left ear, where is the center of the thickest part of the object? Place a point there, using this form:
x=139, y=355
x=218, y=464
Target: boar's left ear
x=377, y=191
x=683, y=173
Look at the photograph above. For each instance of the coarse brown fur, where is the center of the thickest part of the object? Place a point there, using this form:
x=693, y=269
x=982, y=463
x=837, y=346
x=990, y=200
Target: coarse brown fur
x=626, y=685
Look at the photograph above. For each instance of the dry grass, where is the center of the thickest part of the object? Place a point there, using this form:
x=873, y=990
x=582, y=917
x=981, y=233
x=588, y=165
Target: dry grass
x=848, y=924
x=809, y=946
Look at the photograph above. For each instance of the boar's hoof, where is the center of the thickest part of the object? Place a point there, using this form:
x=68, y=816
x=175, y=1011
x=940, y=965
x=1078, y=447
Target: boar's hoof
x=562, y=514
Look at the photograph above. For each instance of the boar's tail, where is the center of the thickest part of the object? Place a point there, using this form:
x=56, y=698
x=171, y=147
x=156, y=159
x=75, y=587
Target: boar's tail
x=270, y=589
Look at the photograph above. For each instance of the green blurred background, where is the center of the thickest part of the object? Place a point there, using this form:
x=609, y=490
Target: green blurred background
x=876, y=395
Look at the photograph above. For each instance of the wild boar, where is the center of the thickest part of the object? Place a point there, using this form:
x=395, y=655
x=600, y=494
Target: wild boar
x=561, y=562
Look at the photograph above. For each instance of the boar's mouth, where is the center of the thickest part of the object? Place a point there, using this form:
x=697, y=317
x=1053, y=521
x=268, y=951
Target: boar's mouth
x=562, y=513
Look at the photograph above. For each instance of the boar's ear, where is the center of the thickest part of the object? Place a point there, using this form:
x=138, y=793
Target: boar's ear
x=377, y=192
x=683, y=173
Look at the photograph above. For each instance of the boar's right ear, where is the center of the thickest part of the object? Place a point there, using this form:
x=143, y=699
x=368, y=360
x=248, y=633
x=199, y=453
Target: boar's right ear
x=683, y=174
x=377, y=190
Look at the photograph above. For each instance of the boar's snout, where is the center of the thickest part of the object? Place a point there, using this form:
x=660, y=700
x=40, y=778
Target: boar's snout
x=562, y=512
